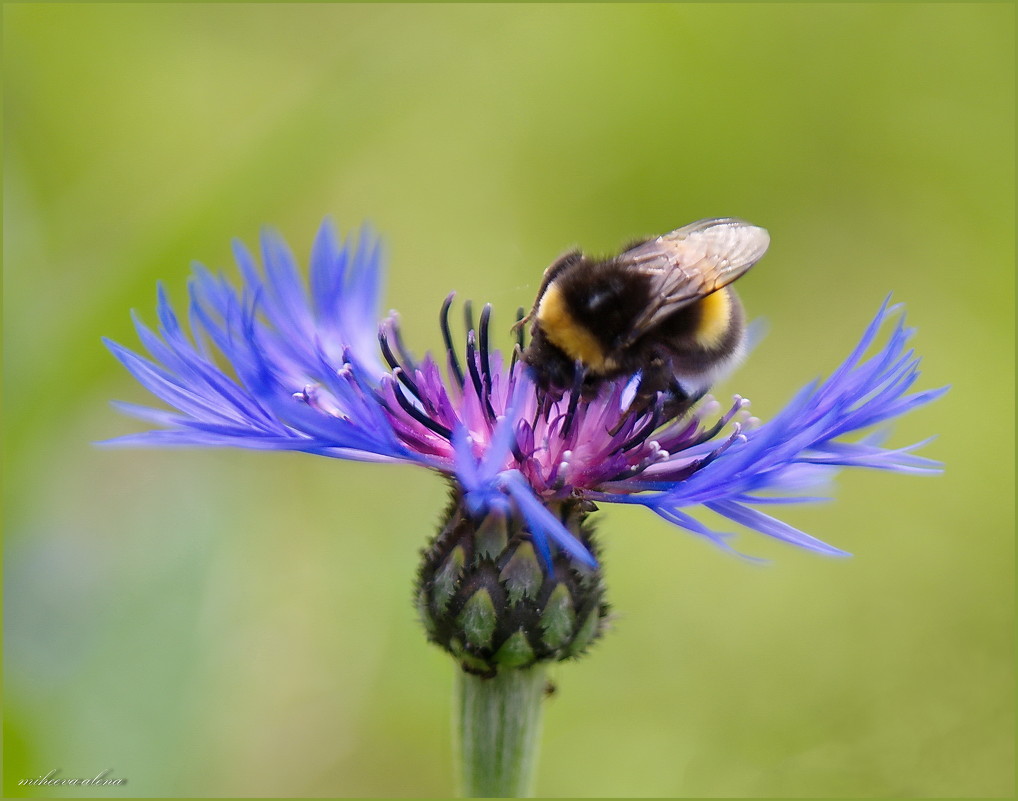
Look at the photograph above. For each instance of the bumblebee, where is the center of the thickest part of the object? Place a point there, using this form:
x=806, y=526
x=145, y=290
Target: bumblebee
x=662, y=308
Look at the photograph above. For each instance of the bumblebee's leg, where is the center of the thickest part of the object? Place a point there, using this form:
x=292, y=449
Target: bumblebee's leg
x=678, y=401
x=643, y=401
x=655, y=379
x=579, y=389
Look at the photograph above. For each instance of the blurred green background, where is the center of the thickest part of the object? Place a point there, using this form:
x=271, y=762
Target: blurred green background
x=239, y=623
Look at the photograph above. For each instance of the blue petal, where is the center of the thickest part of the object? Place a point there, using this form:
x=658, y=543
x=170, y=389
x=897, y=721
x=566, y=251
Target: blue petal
x=270, y=338
x=772, y=527
x=542, y=522
x=801, y=446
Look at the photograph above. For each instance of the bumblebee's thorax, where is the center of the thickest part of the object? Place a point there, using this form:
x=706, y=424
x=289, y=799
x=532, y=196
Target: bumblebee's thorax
x=563, y=330
x=587, y=311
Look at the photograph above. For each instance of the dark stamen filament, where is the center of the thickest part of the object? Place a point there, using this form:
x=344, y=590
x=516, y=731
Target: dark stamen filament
x=715, y=429
x=640, y=436
x=475, y=376
x=454, y=364
x=387, y=354
x=468, y=315
x=483, y=347
x=404, y=354
x=419, y=416
x=684, y=472
x=398, y=370
x=472, y=362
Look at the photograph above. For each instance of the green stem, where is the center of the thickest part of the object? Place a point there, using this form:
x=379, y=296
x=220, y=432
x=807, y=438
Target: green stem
x=499, y=723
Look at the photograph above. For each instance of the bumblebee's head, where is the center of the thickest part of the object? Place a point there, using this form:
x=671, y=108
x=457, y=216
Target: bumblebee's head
x=552, y=368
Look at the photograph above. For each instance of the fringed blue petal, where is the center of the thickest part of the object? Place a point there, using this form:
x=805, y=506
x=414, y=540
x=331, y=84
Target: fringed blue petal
x=772, y=527
x=278, y=339
x=801, y=447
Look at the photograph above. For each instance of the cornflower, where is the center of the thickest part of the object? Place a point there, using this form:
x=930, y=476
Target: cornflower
x=512, y=580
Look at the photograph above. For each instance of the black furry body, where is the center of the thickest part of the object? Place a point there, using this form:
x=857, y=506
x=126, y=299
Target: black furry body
x=605, y=298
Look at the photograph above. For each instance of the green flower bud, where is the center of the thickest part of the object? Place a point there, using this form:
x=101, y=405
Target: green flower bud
x=485, y=596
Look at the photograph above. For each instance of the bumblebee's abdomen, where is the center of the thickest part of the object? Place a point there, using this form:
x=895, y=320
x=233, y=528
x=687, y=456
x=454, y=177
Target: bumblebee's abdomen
x=704, y=324
x=588, y=311
x=705, y=339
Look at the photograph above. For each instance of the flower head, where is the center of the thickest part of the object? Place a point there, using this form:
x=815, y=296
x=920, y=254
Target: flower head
x=309, y=366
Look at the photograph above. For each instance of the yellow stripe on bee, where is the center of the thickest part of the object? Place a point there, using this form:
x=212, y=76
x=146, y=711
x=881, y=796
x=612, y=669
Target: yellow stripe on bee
x=562, y=329
x=715, y=318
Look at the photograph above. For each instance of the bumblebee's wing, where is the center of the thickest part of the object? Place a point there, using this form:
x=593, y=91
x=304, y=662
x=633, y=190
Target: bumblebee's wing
x=691, y=262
